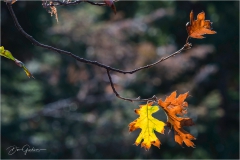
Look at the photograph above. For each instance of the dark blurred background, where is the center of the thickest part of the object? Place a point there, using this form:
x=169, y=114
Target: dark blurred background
x=70, y=109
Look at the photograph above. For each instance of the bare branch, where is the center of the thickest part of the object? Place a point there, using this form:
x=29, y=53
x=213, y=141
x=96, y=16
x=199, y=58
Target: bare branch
x=187, y=39
x=35, y=42
x=98, y=4
x=68, y=3
x=108, y=68
x=62, y=3
x=154, y=98
x=186, y=46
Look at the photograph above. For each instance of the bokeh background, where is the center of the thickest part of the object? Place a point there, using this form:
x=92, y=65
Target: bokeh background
x=70, y=109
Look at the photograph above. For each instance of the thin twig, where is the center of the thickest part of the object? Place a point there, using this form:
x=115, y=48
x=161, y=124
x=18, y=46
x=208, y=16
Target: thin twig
x=187, y=40
x=154, y=98
x=162, y=59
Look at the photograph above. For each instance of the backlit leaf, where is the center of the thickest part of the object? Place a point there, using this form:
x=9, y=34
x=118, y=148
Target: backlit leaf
x=199, y=27
x=175, y=108
x=148, y=124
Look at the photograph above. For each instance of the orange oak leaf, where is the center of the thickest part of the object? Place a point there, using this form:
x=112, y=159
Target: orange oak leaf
x=199, y=27
x=148, y=124
x=175, y=108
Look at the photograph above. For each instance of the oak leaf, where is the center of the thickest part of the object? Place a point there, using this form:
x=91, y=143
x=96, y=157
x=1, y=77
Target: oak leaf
x=199, y=27
x=148, y=124
x=175, y=108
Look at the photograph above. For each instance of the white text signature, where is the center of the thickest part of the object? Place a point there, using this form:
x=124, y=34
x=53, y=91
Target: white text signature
x=25, y=149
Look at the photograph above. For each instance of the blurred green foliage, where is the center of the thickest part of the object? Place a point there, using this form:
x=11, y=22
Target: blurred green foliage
x=70, y=110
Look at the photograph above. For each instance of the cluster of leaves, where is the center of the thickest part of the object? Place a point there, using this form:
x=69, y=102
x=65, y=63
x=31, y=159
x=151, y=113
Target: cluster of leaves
x=175, y=109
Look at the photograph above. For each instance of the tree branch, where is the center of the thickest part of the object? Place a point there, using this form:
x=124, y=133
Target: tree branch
x=154, y=98
x=61, y=3
x=108, y=68
x=35, y=42
x=67, y=3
